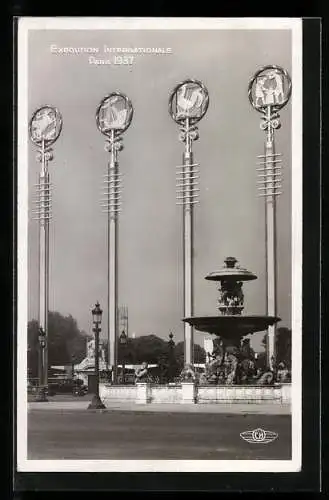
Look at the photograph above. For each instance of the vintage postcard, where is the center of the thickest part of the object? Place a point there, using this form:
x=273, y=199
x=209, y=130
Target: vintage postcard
x=159, y=245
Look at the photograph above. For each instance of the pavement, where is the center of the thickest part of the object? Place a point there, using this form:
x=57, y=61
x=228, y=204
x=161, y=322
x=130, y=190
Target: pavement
x=59, y=433
x=206, y=408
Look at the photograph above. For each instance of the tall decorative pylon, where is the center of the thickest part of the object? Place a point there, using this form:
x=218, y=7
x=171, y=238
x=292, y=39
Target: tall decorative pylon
x=269, y=91
x=188, y=103
x=44, y=129
x=113, y=117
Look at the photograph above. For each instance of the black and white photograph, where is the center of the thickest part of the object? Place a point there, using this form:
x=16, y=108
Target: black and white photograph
x=159, y=245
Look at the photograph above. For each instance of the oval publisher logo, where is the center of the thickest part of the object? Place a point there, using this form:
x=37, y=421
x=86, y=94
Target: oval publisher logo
x=259, y=436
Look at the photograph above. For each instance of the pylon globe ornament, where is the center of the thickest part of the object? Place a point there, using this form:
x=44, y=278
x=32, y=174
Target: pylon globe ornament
x=189, y=99
x=270, y=86
x=114, y=114
x=45, y=125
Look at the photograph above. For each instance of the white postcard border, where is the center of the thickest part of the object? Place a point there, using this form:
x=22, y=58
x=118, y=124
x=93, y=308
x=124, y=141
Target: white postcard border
x=72, y=23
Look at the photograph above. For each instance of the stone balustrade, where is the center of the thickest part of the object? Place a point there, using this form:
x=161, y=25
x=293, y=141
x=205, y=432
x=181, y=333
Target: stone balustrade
x=188, y=392
x=112, y=393
x=166, y=393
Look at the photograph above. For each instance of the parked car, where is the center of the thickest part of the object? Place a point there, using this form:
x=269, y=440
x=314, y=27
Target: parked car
x=67, y=386
x=79, y=388
x=129, y=378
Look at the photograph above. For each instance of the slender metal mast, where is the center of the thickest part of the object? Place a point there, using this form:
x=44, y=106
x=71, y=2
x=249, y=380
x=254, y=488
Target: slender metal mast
x=269, y=90
x=187, y=194
x=45, y=128
x=113, y=117
x=188, y=103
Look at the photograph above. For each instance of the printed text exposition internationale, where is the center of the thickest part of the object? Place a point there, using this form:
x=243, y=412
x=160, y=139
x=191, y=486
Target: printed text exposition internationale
x=55, y=49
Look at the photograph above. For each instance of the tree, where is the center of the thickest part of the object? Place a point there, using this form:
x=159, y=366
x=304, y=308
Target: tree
x=199, y=354
x=283, y=346
x=146, y=348
x=155, y=350
x=66, y=343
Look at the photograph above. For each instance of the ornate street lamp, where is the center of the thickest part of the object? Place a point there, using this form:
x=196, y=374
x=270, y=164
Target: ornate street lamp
x=72, y=366
x=44, y=128
x=171, y=357
x=171, y=343
x=188, y=103
x=42, y=389
x=123, y=339
x=96, y=403
x=113, y=117
x=269, y=91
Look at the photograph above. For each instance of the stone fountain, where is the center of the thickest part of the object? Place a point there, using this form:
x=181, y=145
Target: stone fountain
x=232, y=360
x=230, y=375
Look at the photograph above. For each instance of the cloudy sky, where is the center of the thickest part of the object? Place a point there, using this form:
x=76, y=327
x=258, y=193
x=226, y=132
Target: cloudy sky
x=229, y=219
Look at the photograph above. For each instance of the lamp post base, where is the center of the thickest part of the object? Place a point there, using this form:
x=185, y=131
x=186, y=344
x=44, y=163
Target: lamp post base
x=41, y=395
x=96, y=403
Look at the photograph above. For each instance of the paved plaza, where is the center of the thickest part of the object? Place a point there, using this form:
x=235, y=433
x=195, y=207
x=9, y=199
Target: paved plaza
x=68, y=430
x=64, y=404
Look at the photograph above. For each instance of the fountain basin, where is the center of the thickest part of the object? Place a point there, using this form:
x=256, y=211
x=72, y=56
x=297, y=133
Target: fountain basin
x=232, y=326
